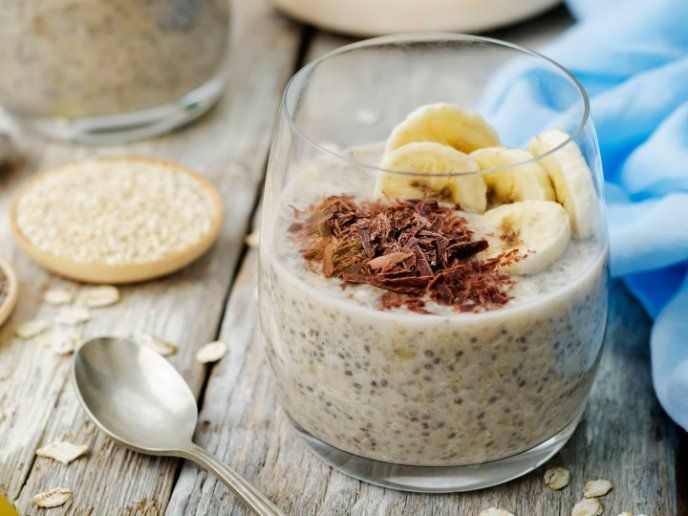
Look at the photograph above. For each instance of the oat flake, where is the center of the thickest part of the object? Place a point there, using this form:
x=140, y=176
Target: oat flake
x=62, y=342
x=596, y=488
x=494, y=511
x=53, y=497
x=98, y=297
x=58, y=296
x=253, y=239
x=62, y=451
x=31, y=329
x=211, y=352
x=627, y=513
x=587, y=507
x=557, y=478
x=155, y=343
x=73, y=316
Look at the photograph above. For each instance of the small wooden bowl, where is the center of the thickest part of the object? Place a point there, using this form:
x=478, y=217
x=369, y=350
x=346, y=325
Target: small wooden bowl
x=7, y=305
x=121, y=273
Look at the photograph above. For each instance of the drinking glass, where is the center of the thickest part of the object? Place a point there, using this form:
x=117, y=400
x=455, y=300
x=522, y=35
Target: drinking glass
x=435, y=402
x=108, y=72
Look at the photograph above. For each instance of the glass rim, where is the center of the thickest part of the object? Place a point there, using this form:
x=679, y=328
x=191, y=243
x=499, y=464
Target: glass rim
x=429, y=37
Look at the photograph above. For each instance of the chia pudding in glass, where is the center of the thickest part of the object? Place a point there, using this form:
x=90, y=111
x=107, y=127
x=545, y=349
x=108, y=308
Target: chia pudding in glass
x=433, y=281
x=107, y=71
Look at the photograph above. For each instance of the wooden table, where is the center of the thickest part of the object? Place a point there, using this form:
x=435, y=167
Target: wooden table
x=625, y=436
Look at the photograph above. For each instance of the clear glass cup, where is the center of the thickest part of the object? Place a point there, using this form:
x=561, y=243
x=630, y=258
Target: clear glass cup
x=444, y=401
x=107, y=72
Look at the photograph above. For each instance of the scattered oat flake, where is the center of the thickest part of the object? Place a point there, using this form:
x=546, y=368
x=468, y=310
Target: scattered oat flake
x=62, y=451
x=252, y=240
x=31, y=329
x=627, y=513
x=62, y=342
x=73, y=316
x=587, y=507
x=58, y=296
x=155, y=343
x=494, y=511
x=596, y=488
x=98, y=297
x=557, y=478
x=53, y=497
x=211, y=352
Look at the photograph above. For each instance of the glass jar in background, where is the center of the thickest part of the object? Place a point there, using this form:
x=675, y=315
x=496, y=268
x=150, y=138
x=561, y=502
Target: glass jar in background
x=110, y=71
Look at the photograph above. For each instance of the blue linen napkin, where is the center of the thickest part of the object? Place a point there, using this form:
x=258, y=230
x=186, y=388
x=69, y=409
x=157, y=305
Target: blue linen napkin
x=632, y=58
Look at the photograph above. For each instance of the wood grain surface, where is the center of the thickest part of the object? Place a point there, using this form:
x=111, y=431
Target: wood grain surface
x=625, y=437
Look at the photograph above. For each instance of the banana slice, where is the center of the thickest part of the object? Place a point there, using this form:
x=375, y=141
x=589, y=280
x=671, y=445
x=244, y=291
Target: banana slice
x=444, y=123
x=540, y=230
x=571, y=178
x=428, y=158
x=517, y=183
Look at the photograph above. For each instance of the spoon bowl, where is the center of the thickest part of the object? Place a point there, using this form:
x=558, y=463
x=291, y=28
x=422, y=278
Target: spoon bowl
x=137, y=398
x=152, y=413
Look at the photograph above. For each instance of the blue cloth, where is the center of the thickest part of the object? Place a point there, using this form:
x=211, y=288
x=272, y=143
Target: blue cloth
x=632, y=58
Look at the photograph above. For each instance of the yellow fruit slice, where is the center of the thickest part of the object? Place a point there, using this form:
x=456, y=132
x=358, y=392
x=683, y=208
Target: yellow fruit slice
x=518, y=180
x=433, y=163
x=443, y=123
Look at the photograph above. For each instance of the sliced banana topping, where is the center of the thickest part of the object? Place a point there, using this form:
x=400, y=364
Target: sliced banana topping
x=444, y=123
x=430, y=159
x=540, y=230
x=571, y=178
x=518, y=180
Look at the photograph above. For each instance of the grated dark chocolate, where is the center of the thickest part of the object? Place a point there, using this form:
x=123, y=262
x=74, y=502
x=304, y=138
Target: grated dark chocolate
x=415, y=250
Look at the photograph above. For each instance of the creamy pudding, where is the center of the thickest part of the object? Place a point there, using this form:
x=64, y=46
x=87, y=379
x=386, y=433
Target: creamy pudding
x=434, y=377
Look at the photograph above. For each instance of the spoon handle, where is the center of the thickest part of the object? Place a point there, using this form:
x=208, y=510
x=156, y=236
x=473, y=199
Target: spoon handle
x=235, y=482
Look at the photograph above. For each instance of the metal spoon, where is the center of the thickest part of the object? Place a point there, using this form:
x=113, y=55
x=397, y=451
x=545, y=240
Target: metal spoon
x=136, y=397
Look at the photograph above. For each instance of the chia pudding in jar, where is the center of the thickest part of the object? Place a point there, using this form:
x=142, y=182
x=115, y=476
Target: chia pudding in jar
x=404, y=327
x=110, y=65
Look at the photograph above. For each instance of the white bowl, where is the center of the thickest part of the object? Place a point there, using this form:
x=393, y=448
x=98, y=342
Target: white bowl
x=377, y=17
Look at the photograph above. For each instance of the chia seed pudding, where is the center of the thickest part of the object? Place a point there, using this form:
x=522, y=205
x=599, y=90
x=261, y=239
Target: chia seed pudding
x=79, y=58
x=441, y=388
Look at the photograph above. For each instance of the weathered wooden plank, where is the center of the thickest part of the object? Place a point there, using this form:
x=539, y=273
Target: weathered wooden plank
x=229, y=145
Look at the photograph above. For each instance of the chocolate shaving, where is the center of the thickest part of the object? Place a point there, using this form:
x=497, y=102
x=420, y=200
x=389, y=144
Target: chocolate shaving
x=416, y=250
x=387, y=261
